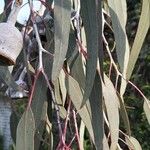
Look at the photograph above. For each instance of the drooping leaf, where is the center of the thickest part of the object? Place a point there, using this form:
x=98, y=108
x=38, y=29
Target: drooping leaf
x=39, y=97
x=105, y=143
x=62, y=86
x=133, y=143
x=57, y=93
x=59, y=101
x=44, y=111
x=86, y=112
x=81, y=134
x=47, y=64
x=76, y=96
x=112, y=107
x=62, y=14
x=119, y=16
x=142, y=30
x=89, y=15
x=97, y=112
x=49, y=133
x=147, y=109
x=71, y=44
x=77, y=71
x=118, y=12
x=124, y=115
x=25, y=131
x=39, y=130
x=38, y=100
x=74, y=91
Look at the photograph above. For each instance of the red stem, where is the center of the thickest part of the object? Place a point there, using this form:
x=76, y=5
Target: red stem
x=56, y=107
x=82, y=50
x=76, y=129
x=33, y=88
x=66, y=121
x=72, y=141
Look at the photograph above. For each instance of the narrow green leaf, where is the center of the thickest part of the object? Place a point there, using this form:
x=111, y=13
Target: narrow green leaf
x=74, y=91
x=147, y=109
x=76, y=96
x=59, y=101
x=41, y=126
x=124, y=114
x=39, y=97
x=49, y=133
x=71, y=44
x=97, y=113
x=142, y=30
x=25, y=131
x=112, y=108
x=90, y=20
x=118, y=12
x=92, y=121
x=57, y=93
x=105, y=143
x=77, y=71
x=62, y=13
x=133, y=143
x=81, y=132
x=62, y=86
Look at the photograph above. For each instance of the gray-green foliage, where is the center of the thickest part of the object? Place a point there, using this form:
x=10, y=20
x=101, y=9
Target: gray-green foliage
x=73, y=78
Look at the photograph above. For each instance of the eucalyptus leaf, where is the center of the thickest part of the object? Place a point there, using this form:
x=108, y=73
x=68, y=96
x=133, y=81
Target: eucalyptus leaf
x=59, y=101
x=77, y=71
x=90, y=113
x=62, y=14
x=133, y=143
x=143, y=26
x=118, y=12
x=25, y=131
x=112, y=107
x=124, y=115
x=71, y=44
x=76, y=96
x=37, y=105
x=147, y=109
x=90, y=20
x=105, y=143
x=62, y=86
x=39, y=97
x=81, y=133
x=97, y=113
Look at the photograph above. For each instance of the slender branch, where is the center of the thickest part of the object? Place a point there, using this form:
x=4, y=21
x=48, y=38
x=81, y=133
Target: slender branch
x=76, y=129
x=69, y=145
x=119, y=73
x=41, y=49
x=55, y=104
x=66, y=121
x=33, y=88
